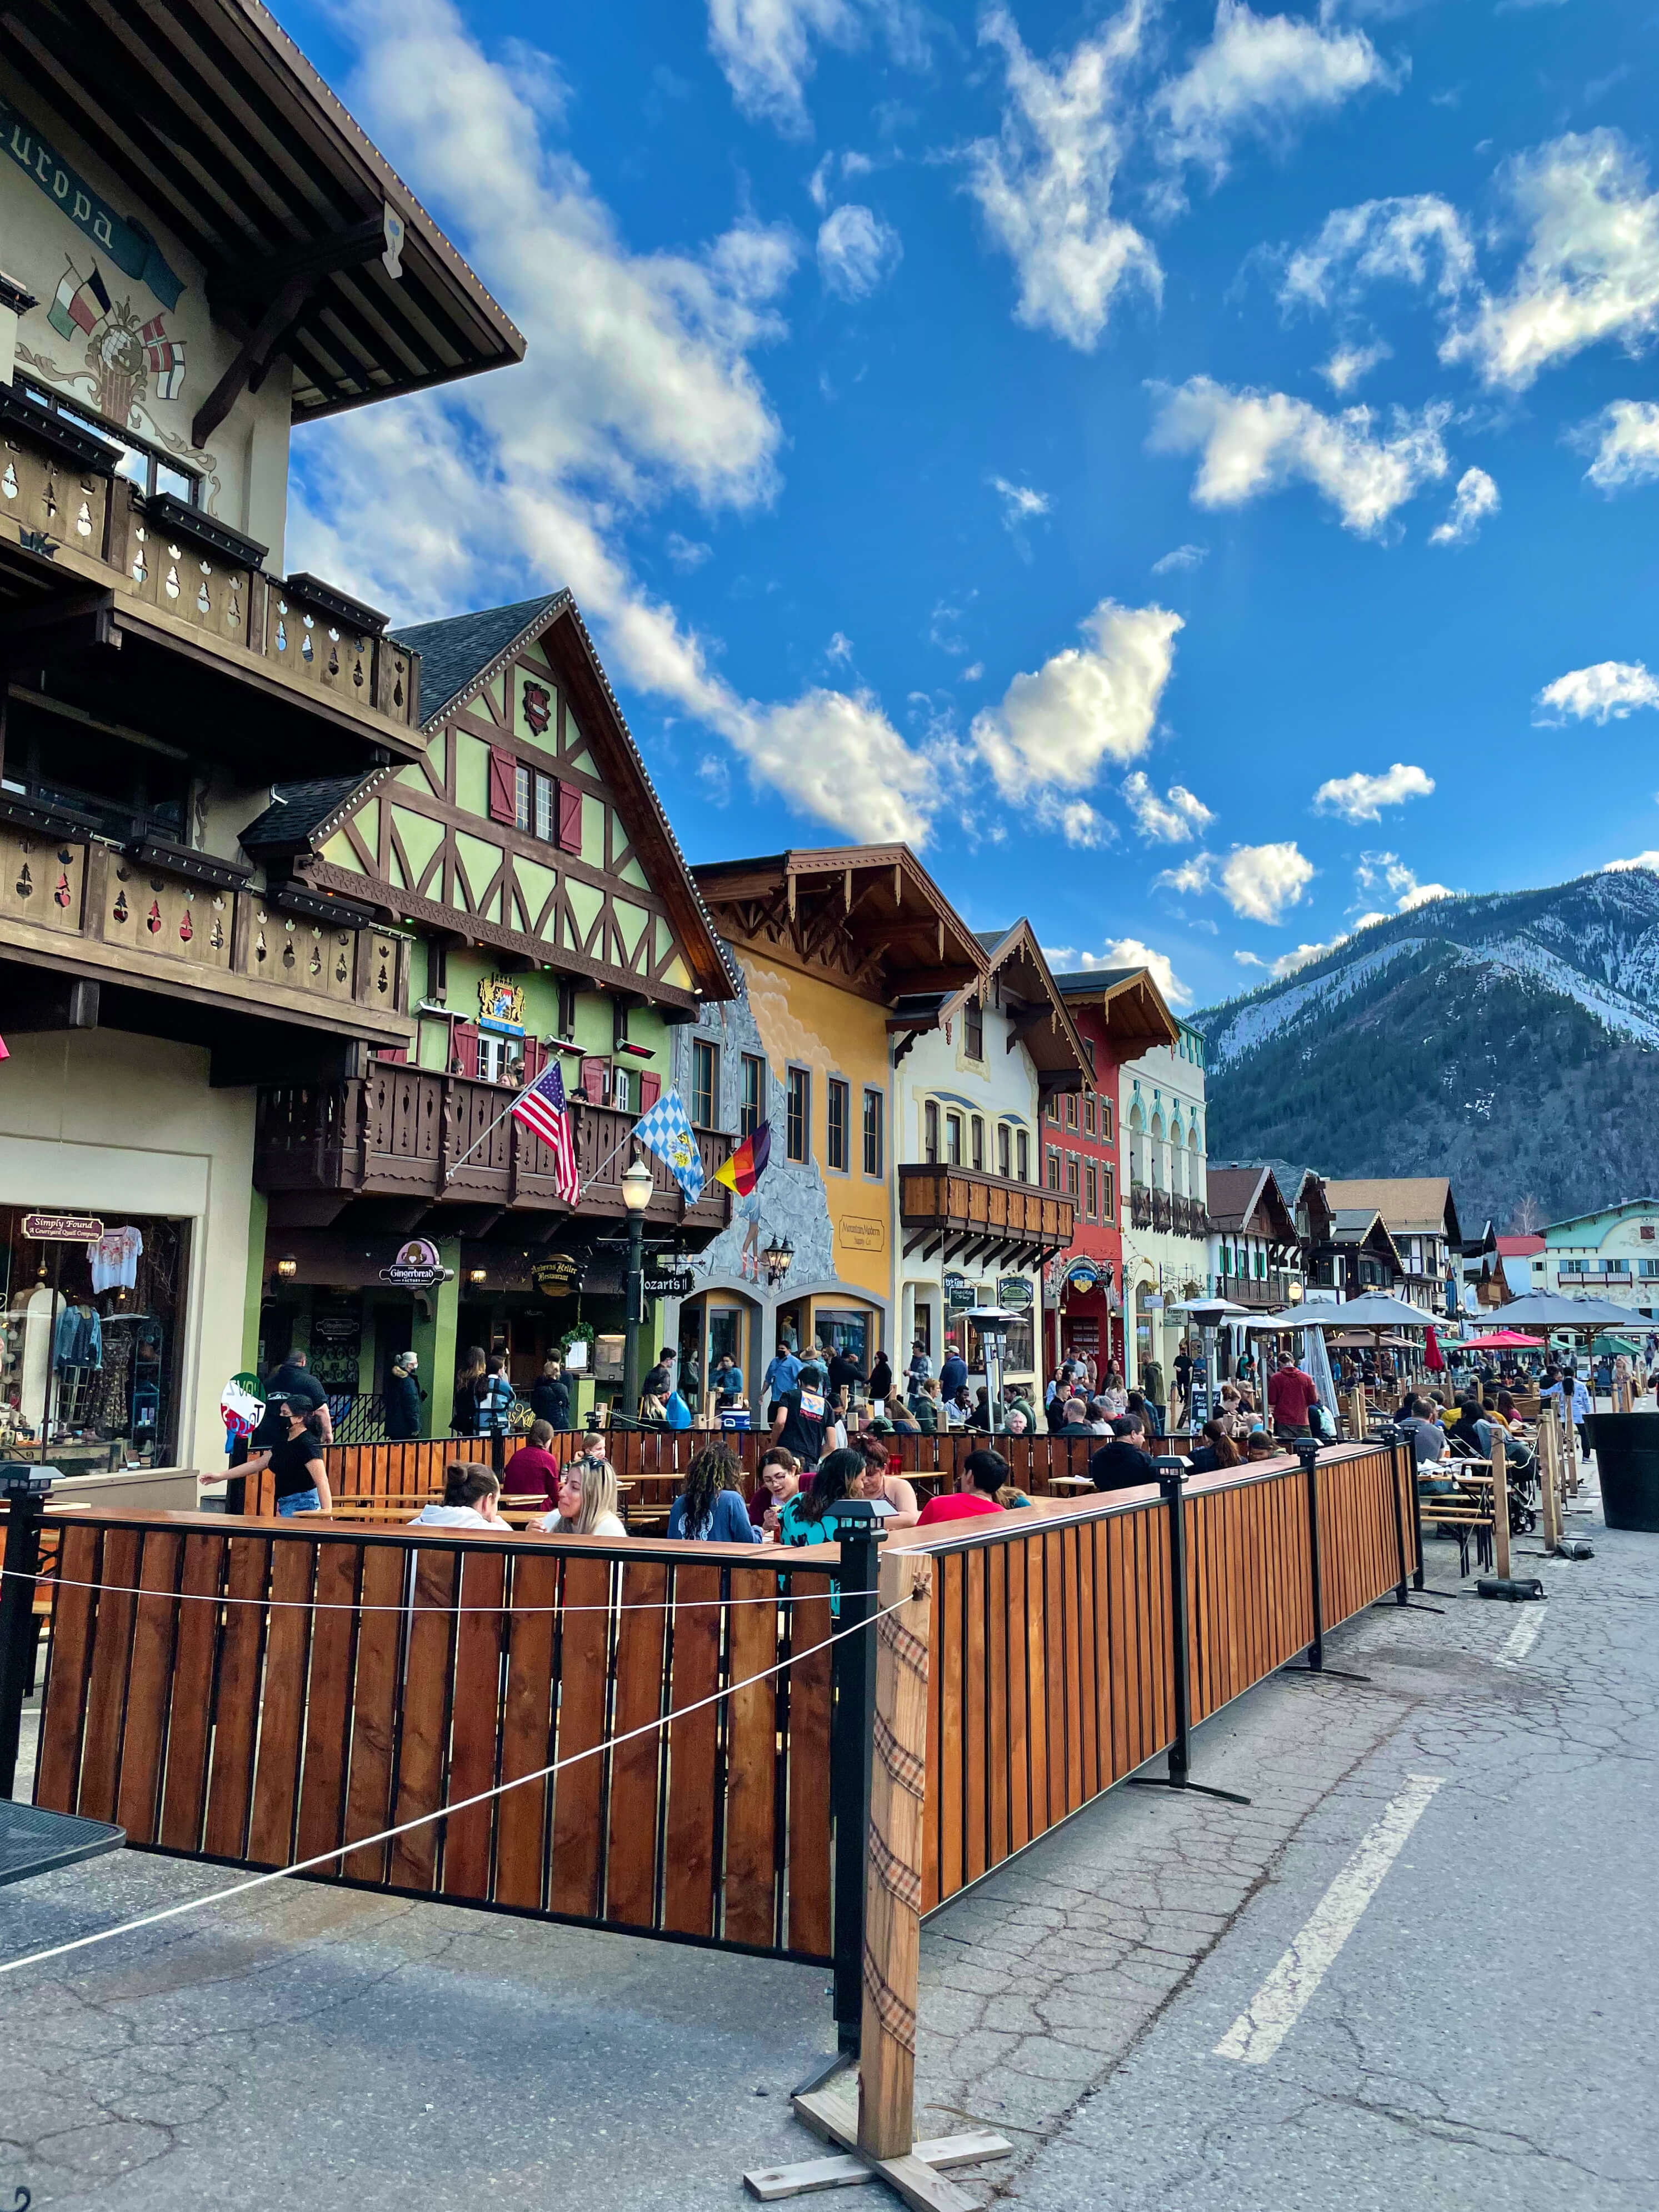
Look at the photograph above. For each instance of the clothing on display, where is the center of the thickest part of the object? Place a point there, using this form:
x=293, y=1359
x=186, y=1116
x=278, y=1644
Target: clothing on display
x=114, y=1259
x=80, y=1339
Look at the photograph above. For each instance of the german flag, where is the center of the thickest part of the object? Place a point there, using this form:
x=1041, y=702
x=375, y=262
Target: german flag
x=748, y=1163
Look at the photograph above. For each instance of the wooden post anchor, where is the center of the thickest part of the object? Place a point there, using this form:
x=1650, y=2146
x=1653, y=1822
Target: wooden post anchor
x=871, y=2122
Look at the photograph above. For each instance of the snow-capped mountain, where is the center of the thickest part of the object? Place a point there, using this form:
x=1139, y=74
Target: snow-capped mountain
x=1511, y=1041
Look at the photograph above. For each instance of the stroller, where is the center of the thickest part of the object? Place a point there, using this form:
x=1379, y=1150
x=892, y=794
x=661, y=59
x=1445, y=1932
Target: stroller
x=1520, y=1479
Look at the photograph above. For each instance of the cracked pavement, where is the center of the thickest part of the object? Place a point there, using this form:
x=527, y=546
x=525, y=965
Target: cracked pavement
x=1481, y=2038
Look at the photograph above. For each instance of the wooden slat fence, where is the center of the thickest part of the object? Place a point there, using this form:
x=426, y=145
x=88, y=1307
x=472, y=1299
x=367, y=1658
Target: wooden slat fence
x=1052, y=1644
x=265, y=1732
x=408, y=1669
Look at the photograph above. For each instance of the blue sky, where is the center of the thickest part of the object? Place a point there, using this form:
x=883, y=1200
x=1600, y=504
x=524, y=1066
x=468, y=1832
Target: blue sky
x=1191, y=473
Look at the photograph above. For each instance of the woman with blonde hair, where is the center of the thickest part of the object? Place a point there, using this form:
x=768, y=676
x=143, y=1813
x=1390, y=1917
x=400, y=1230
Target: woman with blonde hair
x=587, y=1501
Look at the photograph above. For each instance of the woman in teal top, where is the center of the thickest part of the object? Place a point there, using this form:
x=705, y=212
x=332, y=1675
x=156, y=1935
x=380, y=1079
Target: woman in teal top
x=802, y=1520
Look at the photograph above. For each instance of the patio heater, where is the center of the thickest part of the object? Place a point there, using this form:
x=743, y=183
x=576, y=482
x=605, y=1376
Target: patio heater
x=993, y=1323
x=636, y=1188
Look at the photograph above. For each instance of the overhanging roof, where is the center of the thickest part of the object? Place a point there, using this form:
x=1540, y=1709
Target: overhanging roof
x=1129, y=1001
x=213, y=119
x=1046, y=1030
x=1413, y=1206
x=1248, y=1201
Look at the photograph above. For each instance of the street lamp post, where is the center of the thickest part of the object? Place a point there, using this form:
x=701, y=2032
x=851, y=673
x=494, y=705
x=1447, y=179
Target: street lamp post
x=636, y=1188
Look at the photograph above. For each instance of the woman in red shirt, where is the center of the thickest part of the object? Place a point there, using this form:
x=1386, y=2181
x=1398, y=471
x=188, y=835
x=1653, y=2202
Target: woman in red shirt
x=983, y=1474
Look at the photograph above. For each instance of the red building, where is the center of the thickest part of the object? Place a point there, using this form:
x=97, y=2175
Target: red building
x=1119, y=1014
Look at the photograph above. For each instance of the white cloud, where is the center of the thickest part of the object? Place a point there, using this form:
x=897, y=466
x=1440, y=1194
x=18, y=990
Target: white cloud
x=714, y=775
x=857, y=251
x=1361, y=798
x=1606, y=692
x=1255, y=442
x=1349, y=364
x=1420, y=240
x=839, y=647
x=1476, y=497
x=1020, y=502
x=1288, y=963
x=1192, y=876
x=1626, y=437
x=1044, y=185
x=685, y=552
x=1183, y=557
x=1423, y=894
x=1388, y=871
x=1591, y=269
x=765, y=47
x=639, y=386
x=1087, y=704
x=1174, y=819
x=1649, y=860
x=1261, y=881
x=1257, y=75
x=1123, y=952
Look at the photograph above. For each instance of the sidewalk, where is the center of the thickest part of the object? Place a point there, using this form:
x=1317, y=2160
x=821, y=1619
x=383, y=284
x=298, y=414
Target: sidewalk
x=360, y=2049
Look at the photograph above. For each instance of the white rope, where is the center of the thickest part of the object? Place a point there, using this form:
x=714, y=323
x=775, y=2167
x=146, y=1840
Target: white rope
x=444, y=1812
x=48, y=1580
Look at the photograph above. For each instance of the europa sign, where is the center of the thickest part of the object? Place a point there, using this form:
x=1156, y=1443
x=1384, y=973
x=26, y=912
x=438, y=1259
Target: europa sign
x=417, y=1267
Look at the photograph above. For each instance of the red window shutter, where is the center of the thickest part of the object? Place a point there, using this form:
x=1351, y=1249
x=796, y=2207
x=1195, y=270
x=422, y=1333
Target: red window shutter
x=570, y=819
x=593, y=1084
x=650, y=1091
x=399, y=1052
x=503, y=786
x=535, y=1058
x=463, y=1050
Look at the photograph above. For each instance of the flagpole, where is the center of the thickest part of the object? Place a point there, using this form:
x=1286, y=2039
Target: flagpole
x=478, y=1141
x=606, y=1162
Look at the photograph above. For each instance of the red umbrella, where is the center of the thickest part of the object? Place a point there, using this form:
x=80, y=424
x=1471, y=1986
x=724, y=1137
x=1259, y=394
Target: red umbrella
x=1433, y=1357
x=1503, y=1339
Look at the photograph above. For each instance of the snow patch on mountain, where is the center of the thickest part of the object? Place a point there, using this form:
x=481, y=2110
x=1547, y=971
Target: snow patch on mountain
x=1609, y=1006
x=1258, y=1020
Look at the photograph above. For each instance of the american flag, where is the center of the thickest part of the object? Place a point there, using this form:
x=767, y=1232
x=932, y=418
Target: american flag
x=543, y=1110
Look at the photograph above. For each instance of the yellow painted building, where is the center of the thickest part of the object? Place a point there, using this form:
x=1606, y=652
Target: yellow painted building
x=828, y=944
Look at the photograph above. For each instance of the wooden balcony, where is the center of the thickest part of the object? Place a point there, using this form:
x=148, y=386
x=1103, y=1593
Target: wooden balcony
x=398, y=1132
x=1171, y=1212
x=1268, y=1293
x=86, y=561
x=963, y=1214
x=77, y=907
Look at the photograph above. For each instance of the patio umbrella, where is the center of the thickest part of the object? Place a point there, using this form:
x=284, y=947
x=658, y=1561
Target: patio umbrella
x=1503, y=1339
x=1377, y=1309
x=1555, y=1310
x=1433, y=1358
x=1319, y=1367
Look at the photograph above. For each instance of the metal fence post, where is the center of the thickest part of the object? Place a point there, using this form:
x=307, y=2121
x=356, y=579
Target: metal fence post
x=1391, y=1436
x=1170, y=1477
x=852, y=1736
x=1307, y=1450
x=24, y=1489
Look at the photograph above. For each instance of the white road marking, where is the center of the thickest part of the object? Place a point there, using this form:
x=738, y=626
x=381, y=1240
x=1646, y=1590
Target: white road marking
x=1277, y=2006
x=1521, y=1638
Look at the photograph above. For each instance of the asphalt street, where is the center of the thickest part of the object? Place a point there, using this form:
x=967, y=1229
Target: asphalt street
x=1456, y=1855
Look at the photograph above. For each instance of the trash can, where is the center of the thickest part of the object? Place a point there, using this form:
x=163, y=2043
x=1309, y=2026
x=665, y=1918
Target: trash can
x=1627, y=1448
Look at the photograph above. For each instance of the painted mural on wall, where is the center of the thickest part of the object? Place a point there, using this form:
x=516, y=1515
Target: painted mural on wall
x=789, y=1201
x=116, y=330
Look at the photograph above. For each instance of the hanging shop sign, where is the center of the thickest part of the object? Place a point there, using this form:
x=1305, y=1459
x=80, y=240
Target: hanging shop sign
x=62, y=1228
x=558, y=1275
x=1014, y=1291
x=674, y=1283
x=959, y=1293
x=500, y=1004
x=1082, y=1275
x=417, y=1267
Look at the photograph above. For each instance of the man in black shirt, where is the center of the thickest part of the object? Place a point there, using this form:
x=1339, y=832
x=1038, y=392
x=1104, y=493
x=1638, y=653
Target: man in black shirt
x=292, y=1384
x=659, y=1382
x=799, y=1417
x=843, y=1371
x=1124, y=1463
x=1075, y=1422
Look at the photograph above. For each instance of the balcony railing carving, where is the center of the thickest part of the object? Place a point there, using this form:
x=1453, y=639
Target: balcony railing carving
x=962, y=1212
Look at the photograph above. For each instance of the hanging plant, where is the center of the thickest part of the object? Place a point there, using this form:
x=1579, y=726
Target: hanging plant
x=579, y=1332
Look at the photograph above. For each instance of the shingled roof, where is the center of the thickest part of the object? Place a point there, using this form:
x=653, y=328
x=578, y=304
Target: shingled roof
x=456, y=651
x=297, y=811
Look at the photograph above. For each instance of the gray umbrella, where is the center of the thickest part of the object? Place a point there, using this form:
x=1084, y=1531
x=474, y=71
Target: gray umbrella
x=1554, y=1310
x=1377, y=1309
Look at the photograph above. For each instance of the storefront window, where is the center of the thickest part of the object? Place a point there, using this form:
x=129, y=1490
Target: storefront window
x=840, y=1330
x=97, y=1361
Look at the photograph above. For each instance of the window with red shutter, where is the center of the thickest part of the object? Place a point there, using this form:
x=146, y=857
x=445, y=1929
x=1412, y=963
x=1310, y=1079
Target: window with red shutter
x=535, y=1058
x=650, y=1090
x=594, y=1085
x=399, y=1052
x=463, y=1050
x=503, y=786
x=570, y=819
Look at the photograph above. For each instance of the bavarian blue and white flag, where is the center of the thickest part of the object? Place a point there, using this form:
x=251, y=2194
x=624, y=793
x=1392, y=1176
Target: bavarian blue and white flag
x=666, y=1131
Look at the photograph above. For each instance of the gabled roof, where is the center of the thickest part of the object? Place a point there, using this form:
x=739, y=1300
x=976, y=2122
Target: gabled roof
x=1518, y=1248
x=1238, y=1198
x=467, y=652
x=1607, y=1213
x=1416, y=1206
x=462, y=652
x=869, y=915
x=1129, y=1001
x=297, y=811
x=1056, y=1048
x=1364, y=1225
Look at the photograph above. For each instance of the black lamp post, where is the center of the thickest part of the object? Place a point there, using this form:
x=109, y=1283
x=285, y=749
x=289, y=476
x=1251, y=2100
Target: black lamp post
x=637, y=1186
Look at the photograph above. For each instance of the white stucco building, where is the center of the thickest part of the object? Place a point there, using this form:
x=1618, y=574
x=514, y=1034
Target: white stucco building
x=1162, y=1114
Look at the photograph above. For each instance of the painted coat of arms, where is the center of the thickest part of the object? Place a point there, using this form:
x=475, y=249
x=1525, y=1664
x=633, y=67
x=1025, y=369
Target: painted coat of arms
x=129, y=361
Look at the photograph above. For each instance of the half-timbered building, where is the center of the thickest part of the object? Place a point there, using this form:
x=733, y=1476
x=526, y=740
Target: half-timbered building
x=546, y=916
